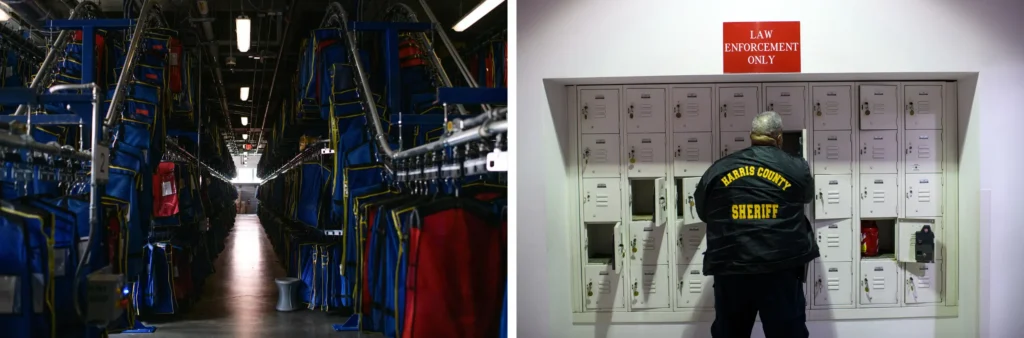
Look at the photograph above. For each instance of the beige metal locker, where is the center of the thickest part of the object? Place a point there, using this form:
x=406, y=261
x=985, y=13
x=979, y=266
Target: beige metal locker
x=647, y=244
x=924, y=151
x=833, y=198
x=602, y=200
x=649, y=287
x=692, y=109
x=737, y=106
x=645, y=110
x=923, y=283
x=879, y=196
x=832, y=107
x=602, y=289
x=833, y=152
x=599, y=111
x=688, y=200
x=691, y=242
x=906, y=242
x=600, y=155
x=645, y=155
x=694, y=289
x=734, y=141
x=879, y=152
x=835, y=241
x=790, y=102
x=923, y=107
x=924, y=195
x=692, y=154
x=832, y=284
x=879, y=282
x=879, y=107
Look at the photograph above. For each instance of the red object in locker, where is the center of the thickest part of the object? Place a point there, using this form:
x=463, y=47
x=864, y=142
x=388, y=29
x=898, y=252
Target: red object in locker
x=165, y=191
x=868, y=238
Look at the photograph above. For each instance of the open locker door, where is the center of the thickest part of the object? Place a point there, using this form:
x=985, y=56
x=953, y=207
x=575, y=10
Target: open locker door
x=621, y=247
x=661, y=202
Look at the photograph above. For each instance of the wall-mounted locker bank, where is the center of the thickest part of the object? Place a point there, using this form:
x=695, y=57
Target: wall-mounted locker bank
x=881, y=154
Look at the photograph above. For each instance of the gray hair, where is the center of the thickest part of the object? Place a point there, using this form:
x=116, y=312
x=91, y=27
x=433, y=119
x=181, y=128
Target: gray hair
x=768, y=123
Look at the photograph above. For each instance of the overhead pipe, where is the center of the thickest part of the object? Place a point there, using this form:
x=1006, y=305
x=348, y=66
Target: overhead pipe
x=129, y=66
x=277, y=68
x=44, y=72
x=469, y=135
x=432, y=56
x=218, y=75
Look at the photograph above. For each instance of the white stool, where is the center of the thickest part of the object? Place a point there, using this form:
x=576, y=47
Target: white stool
x=286, y=289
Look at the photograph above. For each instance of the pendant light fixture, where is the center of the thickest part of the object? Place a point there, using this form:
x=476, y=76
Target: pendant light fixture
x=243, y=32
x=245, y=121
x=245, y=136
x=244, y=94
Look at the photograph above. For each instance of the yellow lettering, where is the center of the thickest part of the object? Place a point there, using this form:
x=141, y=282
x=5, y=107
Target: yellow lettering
x=750, y=211
x=725, y=181
x=760, y=172
x=743, y=211
x=735, y=212
x=757, y=211
x=775, y=211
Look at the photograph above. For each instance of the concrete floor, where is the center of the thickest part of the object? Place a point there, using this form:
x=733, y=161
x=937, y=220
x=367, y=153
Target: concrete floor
x=239, y=299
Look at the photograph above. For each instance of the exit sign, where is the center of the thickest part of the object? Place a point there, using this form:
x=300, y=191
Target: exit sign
x=761, y=47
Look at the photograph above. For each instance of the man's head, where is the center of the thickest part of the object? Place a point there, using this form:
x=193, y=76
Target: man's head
x=766, y=129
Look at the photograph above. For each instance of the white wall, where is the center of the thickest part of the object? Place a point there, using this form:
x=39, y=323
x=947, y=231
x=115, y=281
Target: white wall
x=615, y=38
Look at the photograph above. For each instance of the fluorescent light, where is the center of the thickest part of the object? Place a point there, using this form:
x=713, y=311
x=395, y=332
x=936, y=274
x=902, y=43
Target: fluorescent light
x=482, y=9
x=244, y=94
x=243, y=32
x=245, y=121
x=245, y=136
x=4, y=16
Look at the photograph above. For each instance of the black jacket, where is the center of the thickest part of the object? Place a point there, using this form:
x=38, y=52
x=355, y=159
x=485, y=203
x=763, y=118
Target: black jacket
x=753, y=204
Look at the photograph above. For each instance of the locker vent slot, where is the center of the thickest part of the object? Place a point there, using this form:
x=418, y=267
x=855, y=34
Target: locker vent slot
x=878, y=153
x=924, y=151
x=833, y=197
x=692, y=154
x=599, y=111
x=646, y=154
x=696, y=286
x=878, y=196
x=646, y=110
x=832, y=240
x=878, y=283
x=832, y=152
x=833, y=283
x=924, y=196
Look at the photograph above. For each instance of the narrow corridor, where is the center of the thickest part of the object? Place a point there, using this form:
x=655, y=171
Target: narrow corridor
x=239, y=298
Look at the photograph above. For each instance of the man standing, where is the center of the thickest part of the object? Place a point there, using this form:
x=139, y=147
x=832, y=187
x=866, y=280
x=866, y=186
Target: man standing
x=759, y=240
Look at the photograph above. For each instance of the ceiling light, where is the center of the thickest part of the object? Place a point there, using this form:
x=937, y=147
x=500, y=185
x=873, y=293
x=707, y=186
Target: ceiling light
x=4, y=16
x=244, y=94
x=245, y=136
x=245, y=121
x=243, y=31
x=482, y=9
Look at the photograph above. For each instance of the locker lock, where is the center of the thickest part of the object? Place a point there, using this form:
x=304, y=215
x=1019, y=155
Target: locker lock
x=677, y=111
x=679, y=151
x=636, y=293
x=910, y=149
x=681, y=284
x=679, y=241
x=817, y=151
x=630, y=111
x=817, y=108
x=817, y=286
x=725, y=151
x=586, y=156
x=865, y=194
x=632, y=155
x=590, y=289
x=866, y=108
x=910, y=284
x=910, y=193
x=771, y=107
x=864, y=150
x=585, y=112
x=633, y=244
x=725, y=110
x=910, y=107
x=867, y=287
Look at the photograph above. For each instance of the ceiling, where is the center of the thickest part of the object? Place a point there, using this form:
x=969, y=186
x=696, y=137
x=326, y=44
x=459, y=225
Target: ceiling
x=269, y=21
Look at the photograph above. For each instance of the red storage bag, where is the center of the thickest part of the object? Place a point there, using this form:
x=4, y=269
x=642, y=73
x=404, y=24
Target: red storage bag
x=174, y=66
x=869, y=238
x=165, y=191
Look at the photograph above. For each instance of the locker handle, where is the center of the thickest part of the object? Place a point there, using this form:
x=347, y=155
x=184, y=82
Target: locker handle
x=866, y=109
x=679, y=241
x=771, y=107
x=817, y=286
x=636, y=293
x=725, y=110
x=633, y=244
x=631, y=111
x=681, y=284
x=679, y=151
x=865, y=194
x=676, y=110
x=817, y=108
x=590, y=289
x=910, y=149
x=689, y=200
x=864, y=150
x=585, y=108
x=910, y=193
x=910, y=108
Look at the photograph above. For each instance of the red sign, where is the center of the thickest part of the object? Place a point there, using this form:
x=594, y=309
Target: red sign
x=761, y=47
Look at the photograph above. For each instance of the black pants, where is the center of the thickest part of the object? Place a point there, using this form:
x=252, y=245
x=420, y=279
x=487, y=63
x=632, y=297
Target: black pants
x=779, y=297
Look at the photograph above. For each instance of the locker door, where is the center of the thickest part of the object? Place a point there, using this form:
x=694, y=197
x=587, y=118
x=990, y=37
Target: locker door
x=602, y=288
x=691, y=243
x=879, y=107
x=691, y=110
x=692, y=153
x=649, y=287
x=661, y=201
x=689, y=200
x=831, y=107
x=645, y=154
x=602, y=200
x=924, y=151
x=923, y=107
x=600, y=155
x=645, y=110
x=832, y=284
x=647, y=244
x=879, y=282
x=906, y=244
x=834, y=240
x=695, y=289
x=737, y=107
x=734, y=141
x=599, y=113
x=878, y=196
x=924, y=195
x=791, y=104
x=879, y=152
x=832, y=199
x=833, y=152
x=923, y=284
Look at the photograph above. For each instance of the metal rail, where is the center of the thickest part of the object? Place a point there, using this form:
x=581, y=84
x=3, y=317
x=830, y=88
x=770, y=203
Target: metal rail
x=451, y=47
x=487, y=129
x=310, y=151
x=129, y=66
x=43, y=74
x=179, y=151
